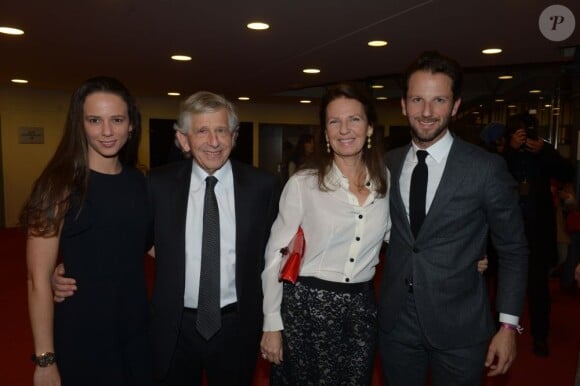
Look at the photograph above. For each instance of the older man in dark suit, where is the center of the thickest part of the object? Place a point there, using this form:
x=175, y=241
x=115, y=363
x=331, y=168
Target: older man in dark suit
x=446, y=194
x=207, y=317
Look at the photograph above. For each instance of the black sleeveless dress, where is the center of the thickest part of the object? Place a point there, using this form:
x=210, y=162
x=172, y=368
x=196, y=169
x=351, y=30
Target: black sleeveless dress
x=101, y=331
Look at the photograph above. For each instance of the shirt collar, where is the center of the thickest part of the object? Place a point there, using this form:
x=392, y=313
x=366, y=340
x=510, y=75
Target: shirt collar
x=199, y=175
x=439, y=150
x=336, y=178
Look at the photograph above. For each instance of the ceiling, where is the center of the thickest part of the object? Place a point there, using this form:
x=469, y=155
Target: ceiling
x=68, y=41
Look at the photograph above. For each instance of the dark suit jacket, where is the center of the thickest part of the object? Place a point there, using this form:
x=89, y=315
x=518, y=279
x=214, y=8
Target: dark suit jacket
x=256, y=205
x=476, y=194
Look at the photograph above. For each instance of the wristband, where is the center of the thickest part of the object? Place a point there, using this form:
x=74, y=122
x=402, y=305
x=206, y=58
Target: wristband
x=44, y=360
x=519, y=329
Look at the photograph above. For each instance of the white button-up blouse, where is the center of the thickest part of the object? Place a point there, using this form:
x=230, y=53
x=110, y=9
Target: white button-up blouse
x=343, y=238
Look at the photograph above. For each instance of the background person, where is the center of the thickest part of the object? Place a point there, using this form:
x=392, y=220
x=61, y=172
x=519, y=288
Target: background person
x=533, y=163
x=90, y=205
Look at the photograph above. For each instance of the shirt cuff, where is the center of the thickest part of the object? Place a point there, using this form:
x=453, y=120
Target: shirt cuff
x=273, y=322
x=509, y=319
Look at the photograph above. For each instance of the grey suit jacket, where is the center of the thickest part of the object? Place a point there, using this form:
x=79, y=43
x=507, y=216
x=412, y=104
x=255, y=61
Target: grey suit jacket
x=256, y=196
x=476, y=195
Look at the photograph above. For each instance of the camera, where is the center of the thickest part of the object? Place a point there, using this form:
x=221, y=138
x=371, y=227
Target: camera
x=531, y=132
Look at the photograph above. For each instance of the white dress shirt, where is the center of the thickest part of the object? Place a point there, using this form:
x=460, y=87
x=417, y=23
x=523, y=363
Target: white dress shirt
x=224, y=191
x=436, y=161
x=343, y=238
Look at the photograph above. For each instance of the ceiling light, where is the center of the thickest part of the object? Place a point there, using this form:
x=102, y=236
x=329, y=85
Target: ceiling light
x=382, y=98
x=11, y=31
x=244, y=98
x=305, y=101
x=377, y=43
x=499, y=100
x=173, y=93
x=475, y=112
x=258, y=26
x=535, y=91
x=555, y=108
x=377, y=86
x=20, y=81
x=181, y=58
x=491, y=51
x=311, y=71
x=512, y=106
x=504, y=77
x=549, y=106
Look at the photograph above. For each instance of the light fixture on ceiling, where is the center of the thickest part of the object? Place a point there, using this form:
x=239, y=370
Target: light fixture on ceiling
x=491, y=51
x=499, y=100
x=305, y=101
x=382, y=98
x=244, y=98
x=548, y=105
x=377, y=43
x=11, y=31
x=311, y=71
x=535, y=91
x=258, y=25
x=181, y=58
x=377, y=86
x=19, y=81
x=505, y=77
x=173, y=93
x=512, y=106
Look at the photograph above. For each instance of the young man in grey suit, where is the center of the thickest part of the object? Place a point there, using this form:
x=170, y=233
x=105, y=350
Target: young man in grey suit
x=434, y=312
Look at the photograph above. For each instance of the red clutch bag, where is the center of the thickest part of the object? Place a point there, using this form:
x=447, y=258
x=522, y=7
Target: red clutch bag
x=293, y=255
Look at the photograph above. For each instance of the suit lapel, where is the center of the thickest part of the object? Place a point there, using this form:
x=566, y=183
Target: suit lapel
x=243, y=211
x=451, y=180
x=397, y=206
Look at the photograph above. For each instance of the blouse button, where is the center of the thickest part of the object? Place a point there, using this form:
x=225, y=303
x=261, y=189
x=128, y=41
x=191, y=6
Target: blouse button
x=360, y=216
x=357, y=238
x=347, y=280
x=351, y=260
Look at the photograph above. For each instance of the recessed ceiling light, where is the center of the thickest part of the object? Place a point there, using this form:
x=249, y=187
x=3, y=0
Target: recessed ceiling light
x=311, y=71
x=305, y=101
x=499, y=100
x=376, y=85
x=491, y=51
x=181, y=58
x=512, y=106
x=382, y=98
x=555, y=108
x=11, y=31
x=20, y=81
x=258, y=25
x=244, y=98
x=549, y=106
x=505, y=76
x=173, y=93
x=377, y=43
x=535, y=91
x=475, y=112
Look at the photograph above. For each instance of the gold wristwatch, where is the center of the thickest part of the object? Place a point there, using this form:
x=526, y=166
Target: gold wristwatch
x=45, y=359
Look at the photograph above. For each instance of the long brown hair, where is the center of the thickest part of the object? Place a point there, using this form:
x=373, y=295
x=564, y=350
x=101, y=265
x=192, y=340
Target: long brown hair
x=67, y=171
x=372, y=158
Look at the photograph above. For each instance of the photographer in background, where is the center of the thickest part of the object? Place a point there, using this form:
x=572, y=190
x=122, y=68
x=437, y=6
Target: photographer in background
x=533, y=162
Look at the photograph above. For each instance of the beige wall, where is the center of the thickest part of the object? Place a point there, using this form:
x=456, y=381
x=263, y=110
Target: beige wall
x=25, y=107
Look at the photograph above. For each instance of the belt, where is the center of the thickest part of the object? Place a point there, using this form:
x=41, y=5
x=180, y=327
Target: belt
x=229, y=309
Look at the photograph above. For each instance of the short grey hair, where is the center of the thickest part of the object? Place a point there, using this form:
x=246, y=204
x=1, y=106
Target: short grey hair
x=205, y=102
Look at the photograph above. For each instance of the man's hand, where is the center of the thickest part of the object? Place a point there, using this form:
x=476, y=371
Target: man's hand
x=518, y=139
x=271, y=346
x=502, y=352
x=62, y=286
x=534, y=145
x=482, y=264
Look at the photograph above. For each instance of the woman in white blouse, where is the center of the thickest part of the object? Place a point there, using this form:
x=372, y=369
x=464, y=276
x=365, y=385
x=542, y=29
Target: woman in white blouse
x=322, y=329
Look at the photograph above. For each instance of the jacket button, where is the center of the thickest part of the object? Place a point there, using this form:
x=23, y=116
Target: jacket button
x=415, y=250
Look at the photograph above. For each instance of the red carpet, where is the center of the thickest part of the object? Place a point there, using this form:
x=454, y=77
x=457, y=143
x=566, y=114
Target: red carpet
x=16, y=341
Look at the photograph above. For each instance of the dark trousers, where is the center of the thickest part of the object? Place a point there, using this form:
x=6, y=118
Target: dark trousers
x=219, y=357
x=407, y=356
